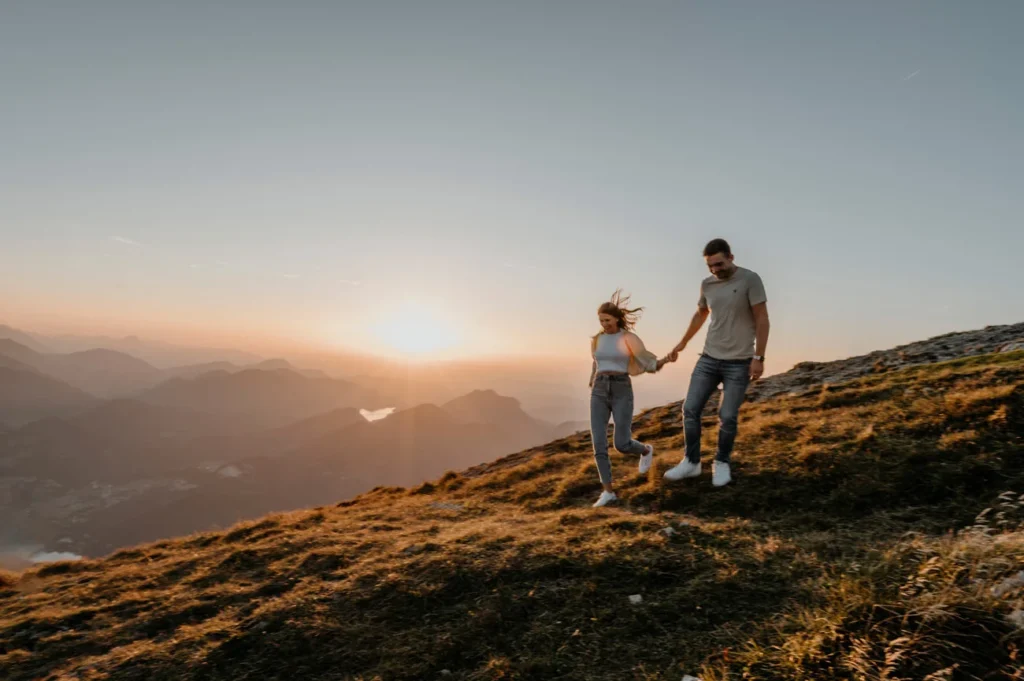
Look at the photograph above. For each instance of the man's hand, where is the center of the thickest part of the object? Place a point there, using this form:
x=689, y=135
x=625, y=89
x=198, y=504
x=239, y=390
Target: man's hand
x=695, y=323
x=674, y=355
x=756, y=369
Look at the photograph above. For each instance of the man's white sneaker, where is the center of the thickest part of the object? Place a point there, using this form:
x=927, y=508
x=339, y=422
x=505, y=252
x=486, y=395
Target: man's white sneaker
x=720, y=474
x=647, y=459
x=684, y=469
x=605, y=499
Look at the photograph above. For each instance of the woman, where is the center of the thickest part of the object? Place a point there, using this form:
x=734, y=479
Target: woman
x=618, y=353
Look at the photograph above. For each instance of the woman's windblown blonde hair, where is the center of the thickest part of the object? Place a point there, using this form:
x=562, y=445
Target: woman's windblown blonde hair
x=618, y=307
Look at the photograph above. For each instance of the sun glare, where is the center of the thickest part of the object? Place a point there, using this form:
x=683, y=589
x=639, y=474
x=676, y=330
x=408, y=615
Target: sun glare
x=415, y=329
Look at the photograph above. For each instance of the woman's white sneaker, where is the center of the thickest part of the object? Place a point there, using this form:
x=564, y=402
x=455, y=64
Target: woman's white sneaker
x=605, y=499
x=684, y=469
x=720, y=474
x=647, y=459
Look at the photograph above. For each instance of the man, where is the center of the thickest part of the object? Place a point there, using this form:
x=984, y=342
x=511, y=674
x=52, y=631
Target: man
x=733, y=356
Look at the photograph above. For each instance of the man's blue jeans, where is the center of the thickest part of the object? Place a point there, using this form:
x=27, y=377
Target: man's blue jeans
x=734, y=376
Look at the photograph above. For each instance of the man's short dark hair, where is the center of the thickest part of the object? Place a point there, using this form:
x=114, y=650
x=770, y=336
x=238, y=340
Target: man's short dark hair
x=717, y=246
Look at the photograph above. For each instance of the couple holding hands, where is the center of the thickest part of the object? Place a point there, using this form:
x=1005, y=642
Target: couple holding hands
x=733, y=355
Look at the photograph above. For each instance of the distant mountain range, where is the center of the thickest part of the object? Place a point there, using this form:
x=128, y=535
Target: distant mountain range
x=157, y=353
x=273, y=397
x=109, y=374
x=23, y=338
x=209, y=444
x=100, y=448
x=27, y=395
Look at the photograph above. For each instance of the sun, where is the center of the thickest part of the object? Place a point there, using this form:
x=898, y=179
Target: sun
x=415, y=329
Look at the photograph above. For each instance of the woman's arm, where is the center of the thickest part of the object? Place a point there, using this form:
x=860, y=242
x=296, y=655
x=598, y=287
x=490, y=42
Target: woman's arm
x=643, y=357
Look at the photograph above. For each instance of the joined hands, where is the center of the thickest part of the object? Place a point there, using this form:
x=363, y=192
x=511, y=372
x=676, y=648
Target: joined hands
x=670, y=357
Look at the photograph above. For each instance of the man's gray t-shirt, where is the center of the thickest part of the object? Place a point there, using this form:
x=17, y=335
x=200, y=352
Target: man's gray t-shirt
x=731, y=334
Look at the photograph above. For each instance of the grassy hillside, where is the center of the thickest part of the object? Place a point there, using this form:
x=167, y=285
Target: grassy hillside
x=854, y=544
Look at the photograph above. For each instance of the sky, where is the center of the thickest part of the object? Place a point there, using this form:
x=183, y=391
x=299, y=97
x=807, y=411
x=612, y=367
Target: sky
x=461, y=179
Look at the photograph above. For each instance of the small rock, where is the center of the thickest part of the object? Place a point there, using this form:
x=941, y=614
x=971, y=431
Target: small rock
x=446, y=672
x=668, y=531
x=1008, y=585
x=636, y=599
x=260, y=626
x=687, y=677
x=1016, y=618
x=446, y=506
x=413, y=549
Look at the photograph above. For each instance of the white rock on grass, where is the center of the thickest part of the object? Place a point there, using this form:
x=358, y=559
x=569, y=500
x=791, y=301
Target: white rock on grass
x=1016, y=618
x=445, y=506
x=636, y=599
x=1009, y=584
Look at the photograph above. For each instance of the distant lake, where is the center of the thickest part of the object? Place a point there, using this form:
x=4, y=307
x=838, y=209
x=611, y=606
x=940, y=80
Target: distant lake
x=378, y=414
x=53, y=556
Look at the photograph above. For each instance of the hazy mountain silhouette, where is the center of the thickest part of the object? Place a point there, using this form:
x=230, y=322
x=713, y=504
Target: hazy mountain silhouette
x=541, y=395
x=105, y=373
x=403, y=448
x=22, y=338
x=277, y=363
x=21, y=352
x=157, y=353
x=11, y=363
x=522, y=429
x=144, y=424
x=114, y=442
x=276, y=397
x=277, y=441
x=195, y=370
x=567, y=428
x=63, y=452
x=27, y=395
x=101, y=372
x=487, y=406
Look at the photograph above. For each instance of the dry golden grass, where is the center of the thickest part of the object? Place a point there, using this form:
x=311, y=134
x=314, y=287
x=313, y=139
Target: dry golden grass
x=830, y=557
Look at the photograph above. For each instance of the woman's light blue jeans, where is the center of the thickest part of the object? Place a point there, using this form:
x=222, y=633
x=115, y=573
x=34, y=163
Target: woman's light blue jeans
x=612, y=395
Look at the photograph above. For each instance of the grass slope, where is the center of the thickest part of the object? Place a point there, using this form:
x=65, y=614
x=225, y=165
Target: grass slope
x=849, y=547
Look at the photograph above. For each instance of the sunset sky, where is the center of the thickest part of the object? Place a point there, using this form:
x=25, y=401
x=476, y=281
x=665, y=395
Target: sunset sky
x=474, y=178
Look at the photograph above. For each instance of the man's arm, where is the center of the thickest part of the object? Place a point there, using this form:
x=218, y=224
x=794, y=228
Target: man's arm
x=761, y=328
x=697, y=321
